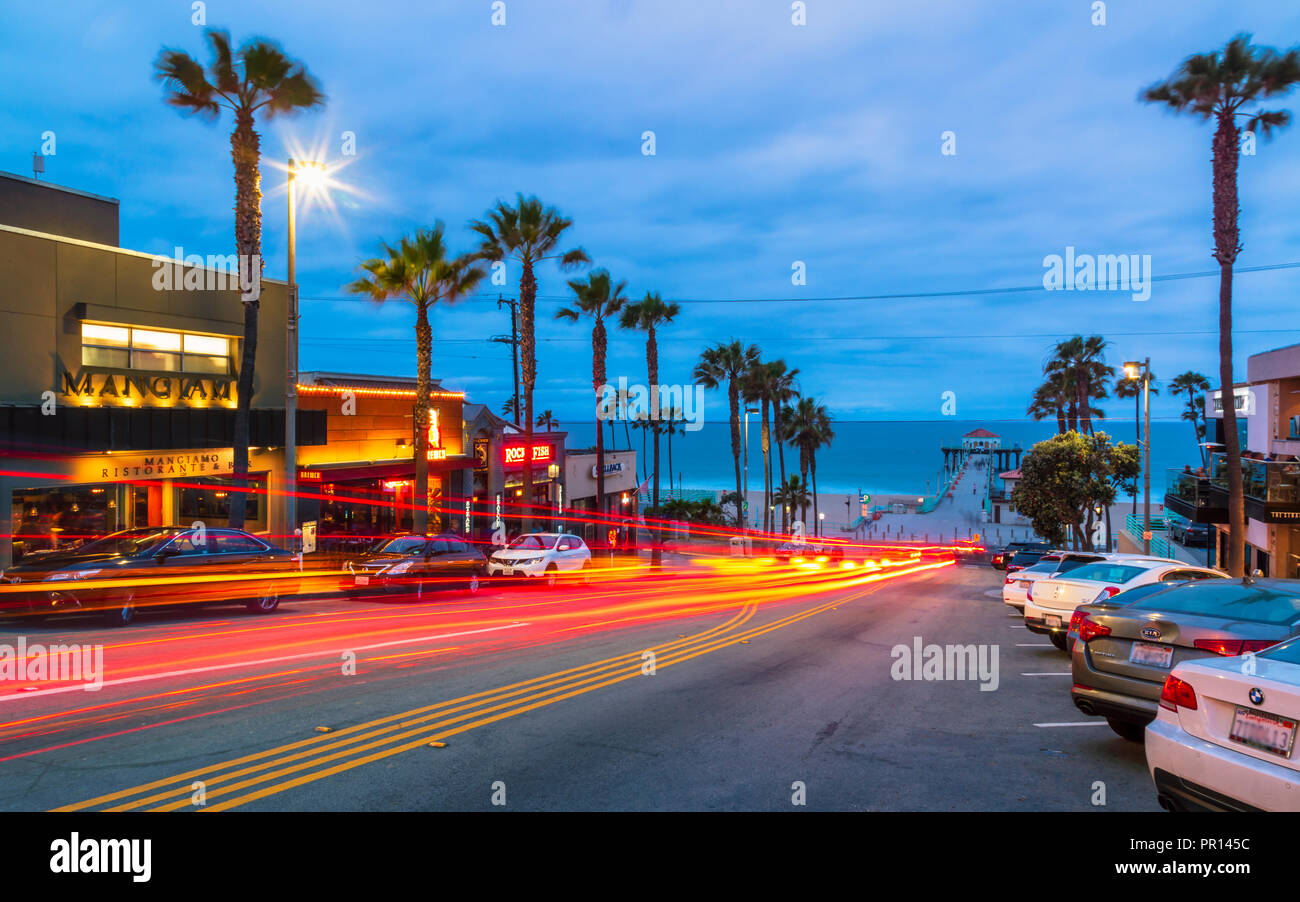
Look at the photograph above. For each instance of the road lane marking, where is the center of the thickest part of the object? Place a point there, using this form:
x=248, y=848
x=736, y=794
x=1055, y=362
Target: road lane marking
x=323, y=653
x=1058, y=673
x=1034, y=645
x=674, y=652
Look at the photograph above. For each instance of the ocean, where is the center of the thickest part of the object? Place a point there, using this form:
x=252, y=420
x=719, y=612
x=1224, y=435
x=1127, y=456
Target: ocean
x=880, y=457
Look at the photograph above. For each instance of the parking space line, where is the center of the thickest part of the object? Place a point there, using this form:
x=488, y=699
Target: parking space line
x=1058, y=673
x=1077, y=723
x=1034, y=645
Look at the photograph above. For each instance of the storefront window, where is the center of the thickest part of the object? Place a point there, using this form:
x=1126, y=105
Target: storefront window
x=126, y=347
x=213, y=504
x=47, y=519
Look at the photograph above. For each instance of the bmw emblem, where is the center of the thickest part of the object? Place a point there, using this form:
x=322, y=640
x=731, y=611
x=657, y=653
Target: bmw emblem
x=1256, y=696
x=1150, y=632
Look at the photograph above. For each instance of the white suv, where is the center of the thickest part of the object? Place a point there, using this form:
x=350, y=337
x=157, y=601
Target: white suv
x=541, y=555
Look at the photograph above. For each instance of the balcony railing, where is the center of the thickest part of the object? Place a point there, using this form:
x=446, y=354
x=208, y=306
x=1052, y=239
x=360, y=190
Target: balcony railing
x=1192, y=490
x=1273, y=482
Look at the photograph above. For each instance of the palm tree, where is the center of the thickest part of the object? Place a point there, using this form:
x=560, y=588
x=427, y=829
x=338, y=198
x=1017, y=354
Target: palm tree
x=528, y=233
x=547, y=419
x=1082, y=361
x=1132, y=388
x=671, y=428
x=1192, y=382
x=597, y=297
x=1051, y=399
x=257, y=79
x=648, y=314
x=728, y=362
x=418, y=271
x=792, y=495
x=809, y=426
x=1222, y=85
x=510, y=409
x=759, y=387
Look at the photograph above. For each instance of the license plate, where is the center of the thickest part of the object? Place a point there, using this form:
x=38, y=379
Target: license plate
x=363, y=581
x=1151, y=655
x=1264, y=731
x=507, y=573
x=1053, y=620
x=1025, y=583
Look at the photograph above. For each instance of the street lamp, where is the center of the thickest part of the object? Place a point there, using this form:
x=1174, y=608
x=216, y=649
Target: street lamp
x=312, y=174
x=745, y=500
x=1134, y=370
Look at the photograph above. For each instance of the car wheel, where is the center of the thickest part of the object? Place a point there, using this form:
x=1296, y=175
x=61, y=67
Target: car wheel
x=122, y=612
x=551, y=576
x=268, y=602
x=1128, y=730
x=1061, y=641
x=473, y=585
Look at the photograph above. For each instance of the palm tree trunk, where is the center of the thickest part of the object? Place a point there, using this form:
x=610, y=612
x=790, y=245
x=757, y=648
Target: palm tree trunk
x=423, y=381
x=1226, y=246
x=812, y=466
x=598, y=340
x=1060, y=420
x=780, y=453
x=766, y=442
x=652, y=370
x=528, y=347
x=245, y=149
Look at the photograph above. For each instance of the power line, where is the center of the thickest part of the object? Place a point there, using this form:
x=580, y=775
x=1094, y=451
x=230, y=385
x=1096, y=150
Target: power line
x=915, y=295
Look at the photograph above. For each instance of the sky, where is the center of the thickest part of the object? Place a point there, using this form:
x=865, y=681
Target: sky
x=776, y=144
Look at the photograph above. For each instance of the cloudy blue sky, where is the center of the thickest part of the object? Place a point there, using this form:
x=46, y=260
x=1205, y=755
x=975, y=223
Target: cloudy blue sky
x=774, y=143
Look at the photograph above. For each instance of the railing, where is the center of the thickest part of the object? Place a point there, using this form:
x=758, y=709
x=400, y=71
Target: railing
x=1160, y=546
x=1193, y=490
x=1269, y=481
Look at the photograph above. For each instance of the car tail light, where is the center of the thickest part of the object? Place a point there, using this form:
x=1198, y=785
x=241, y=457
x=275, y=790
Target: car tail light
x=1177, y=694
x=1108, y=592
x=1230, y=648
x=1029, y=592
x=1075, y=619
x=1089, y=629
x=1008, y=581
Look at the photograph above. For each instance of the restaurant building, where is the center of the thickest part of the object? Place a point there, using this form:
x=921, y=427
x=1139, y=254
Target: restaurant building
x=1268, y=411
x=621, y=496
x=118, y=379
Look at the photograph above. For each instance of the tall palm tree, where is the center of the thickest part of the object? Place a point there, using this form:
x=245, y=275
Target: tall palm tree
x=650, y=314
x=760, y=386
x=547, y=419
x=418, y=270
x=1132, y=388
x=256, y=80
x=1221, y=85
x=671, y=427
x=1192, y=382
x=1083, y=362
x=792, y=494
x=809, y=425
x=528, y=233
x=599, y=297
x=728, y=362
x=510, y=409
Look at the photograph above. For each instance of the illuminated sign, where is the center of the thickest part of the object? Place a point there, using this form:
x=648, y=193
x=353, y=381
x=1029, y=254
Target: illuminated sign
x=435, y=450
x=169, y=465
x=392, y=485
x=541, y=452
x=309, y=475
x=97, y=387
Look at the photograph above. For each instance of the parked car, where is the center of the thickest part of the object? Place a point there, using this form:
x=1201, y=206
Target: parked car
x=1050, y=602
x=541, y=555
x=1123, y=655
x=186, y=560
x=1225, y=732
x=1053, y=563
x=417, y=562
x=1197, y=534
x=1001, y=559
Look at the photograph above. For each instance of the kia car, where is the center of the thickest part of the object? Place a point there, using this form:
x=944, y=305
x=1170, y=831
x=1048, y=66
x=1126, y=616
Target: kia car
x=148, y=567
x=1123, y=655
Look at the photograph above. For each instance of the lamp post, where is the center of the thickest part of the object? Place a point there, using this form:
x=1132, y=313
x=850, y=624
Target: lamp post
x=310, y=172
x=1132, y=370
x=745, y=499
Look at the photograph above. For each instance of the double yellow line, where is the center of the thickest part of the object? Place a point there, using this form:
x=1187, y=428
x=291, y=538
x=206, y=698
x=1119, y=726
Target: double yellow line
x=242, y=780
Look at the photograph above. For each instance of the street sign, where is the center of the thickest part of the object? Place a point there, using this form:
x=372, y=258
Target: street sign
x=309, y=537
x=864, y=498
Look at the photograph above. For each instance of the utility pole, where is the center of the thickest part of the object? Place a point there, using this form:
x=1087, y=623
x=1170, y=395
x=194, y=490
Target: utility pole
x=513, y=340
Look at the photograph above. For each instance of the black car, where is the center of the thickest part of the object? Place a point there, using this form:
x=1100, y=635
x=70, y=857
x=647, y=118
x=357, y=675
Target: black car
x=414, y=562
x=165, y=566
x=1012, y=550
x=1197, y=534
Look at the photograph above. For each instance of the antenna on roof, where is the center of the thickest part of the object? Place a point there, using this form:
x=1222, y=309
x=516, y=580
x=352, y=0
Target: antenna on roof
x=38, y=165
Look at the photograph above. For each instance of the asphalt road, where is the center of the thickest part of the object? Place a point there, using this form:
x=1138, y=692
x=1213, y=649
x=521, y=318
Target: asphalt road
x=541, y=701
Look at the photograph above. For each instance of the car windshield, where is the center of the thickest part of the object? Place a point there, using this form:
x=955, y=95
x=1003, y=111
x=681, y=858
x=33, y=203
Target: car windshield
x=129, y=543
x=1228, y=599
x=1107, y=572
x=1044, y=566
x=532, y=543
x=404, y=545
